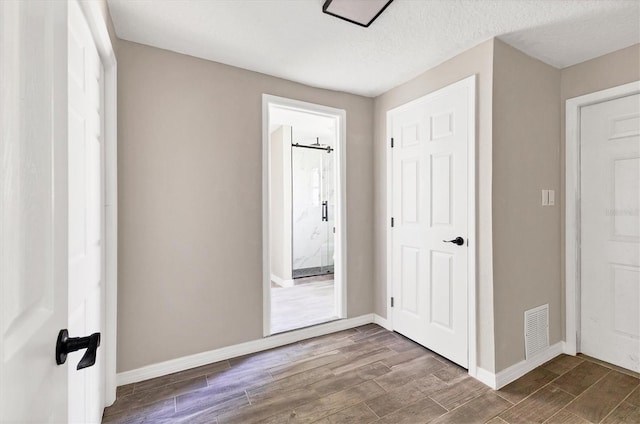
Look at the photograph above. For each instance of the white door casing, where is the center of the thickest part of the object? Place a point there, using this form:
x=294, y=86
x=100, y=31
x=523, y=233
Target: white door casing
x=33, y=210
x=432, y=182
x=340, y=237
x=86, y=215
x=610, y=231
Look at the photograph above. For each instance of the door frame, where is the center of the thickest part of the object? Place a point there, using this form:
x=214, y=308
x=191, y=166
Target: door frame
x=470, y=84
x=340, y=238
x=96, y=21
x=572, y=205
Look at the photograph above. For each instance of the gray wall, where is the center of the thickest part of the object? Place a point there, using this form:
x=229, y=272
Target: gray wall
x=478, y=60
x=190, y=206
x=526, y=235
x=610, y=70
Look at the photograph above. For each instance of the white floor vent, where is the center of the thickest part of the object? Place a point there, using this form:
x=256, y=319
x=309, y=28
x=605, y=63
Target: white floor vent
x=536, y=330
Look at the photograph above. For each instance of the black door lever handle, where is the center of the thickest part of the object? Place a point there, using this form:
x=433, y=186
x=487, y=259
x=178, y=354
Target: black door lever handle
x=66, y=345
x=458, y=240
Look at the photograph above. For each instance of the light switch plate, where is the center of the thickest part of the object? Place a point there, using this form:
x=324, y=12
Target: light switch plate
x=552, y=197
x=545, y=197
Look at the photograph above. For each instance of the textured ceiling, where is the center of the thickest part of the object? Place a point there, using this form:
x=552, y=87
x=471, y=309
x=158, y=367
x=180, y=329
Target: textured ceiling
x=293, y=39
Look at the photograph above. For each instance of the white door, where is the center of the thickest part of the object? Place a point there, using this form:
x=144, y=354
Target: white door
x=429, y=207
x=33, y=210
x=86, y=222
x=610, y=231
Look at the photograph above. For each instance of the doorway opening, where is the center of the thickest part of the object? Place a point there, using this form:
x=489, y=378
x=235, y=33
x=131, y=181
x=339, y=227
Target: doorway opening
x=303, y=209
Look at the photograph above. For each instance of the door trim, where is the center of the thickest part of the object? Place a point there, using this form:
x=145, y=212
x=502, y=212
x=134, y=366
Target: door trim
x=340, y=241
x=572, y=205
x=470, y=84
x=97, y=25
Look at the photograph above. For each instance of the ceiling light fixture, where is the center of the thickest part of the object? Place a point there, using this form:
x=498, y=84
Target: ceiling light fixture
x=359, y=12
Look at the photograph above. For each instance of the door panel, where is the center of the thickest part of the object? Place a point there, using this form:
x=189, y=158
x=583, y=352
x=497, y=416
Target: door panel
x=410, y=191
x=441, y=293
x=610, y=236
x=410, y=279
x=429, y=192
x=440, y=190
x=33, y=210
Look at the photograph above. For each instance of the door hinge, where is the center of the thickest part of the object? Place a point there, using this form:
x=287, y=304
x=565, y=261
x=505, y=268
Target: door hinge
x=392, y=301
x=392, y=222
x=392, y=142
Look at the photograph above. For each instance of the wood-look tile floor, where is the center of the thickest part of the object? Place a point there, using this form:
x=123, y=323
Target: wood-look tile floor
x=370, y=375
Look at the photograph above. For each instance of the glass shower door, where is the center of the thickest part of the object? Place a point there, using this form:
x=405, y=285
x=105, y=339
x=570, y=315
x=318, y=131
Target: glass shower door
x=313, y=207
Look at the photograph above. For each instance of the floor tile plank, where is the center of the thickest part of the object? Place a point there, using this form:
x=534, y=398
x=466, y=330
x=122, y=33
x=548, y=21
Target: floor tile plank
x=626, y=413
x=422, y=411
x=290, y=369
x=405, y=356
x=359, y=414
x=459, y=392
x=155, y=383
x=298, y=381
x=404, y=373
x=527, y=384
x=565, y=417
x=360, y=375
x=581, y=377
x=234, y=380
x=634, y=397
x=562, y=364
x=190, y=403
x=479, y=410
x=538, y=407
x=256, y=413
x=396, y=399
x=599, y=400
x=336, y=402
x=353, y=362
x=146, y=397
x=146, y=413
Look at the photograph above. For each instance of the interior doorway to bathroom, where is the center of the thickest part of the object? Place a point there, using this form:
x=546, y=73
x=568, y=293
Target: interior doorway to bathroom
x=303, y=209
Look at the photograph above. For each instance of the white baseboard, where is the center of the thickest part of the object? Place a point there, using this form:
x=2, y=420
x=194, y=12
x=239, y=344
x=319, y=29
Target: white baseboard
x=486, y=377
x=227, y=352
x=514, y=372
x=382, y=322
x=282, y=282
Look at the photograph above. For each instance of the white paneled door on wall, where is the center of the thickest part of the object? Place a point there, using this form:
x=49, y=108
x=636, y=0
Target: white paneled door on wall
x=610, y=231
x=430, y=210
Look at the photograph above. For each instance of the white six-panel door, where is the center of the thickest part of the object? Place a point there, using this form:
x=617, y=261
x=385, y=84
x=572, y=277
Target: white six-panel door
x=86, y=221
x=610, y=231
x=430, y=205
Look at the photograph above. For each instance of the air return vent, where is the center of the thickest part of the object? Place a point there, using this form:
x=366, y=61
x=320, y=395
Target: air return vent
x=536, y=330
